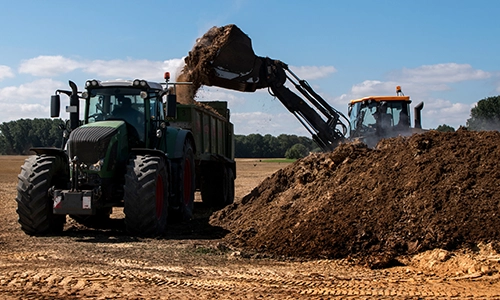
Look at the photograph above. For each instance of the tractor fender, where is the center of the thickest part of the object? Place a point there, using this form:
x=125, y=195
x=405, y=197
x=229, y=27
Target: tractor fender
x=178, y=147
x=50, y=151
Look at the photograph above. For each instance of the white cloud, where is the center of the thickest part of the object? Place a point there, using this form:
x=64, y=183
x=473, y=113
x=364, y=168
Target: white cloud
x=372, y=87
x=5, y=72
x=46, y=66
x=130, y=69
x=16, y=111
x=27, y=101
x=313, y=72
x=440, y=111
x=440, y=73
x=267, y=123
x=30, y=92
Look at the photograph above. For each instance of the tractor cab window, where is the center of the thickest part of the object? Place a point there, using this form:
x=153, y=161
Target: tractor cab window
x=117, y=104
x=156, y=107
x=362, y=117
x=399, y=111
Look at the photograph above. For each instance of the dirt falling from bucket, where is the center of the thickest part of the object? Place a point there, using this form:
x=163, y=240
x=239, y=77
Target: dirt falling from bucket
x=197, y=69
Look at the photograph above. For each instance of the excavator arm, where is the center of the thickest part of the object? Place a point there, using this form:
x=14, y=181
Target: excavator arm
x=226, y=59
x=322, y=121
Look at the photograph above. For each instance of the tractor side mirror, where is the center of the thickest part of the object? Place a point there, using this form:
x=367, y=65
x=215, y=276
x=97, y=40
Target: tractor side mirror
x=55, y=106
x=171, y=105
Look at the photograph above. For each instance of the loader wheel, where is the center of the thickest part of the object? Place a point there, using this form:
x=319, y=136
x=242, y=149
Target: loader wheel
x=34, y=204
x=146, y=196
x=184, y=185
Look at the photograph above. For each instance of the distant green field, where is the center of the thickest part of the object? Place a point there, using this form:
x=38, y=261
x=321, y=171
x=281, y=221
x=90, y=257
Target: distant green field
x=278, y=160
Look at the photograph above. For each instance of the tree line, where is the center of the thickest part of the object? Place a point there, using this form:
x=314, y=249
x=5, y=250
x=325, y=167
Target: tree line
x=268, y=146
x=17, y=137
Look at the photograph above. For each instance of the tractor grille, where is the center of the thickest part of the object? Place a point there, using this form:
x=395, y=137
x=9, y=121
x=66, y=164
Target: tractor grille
x=90, y=144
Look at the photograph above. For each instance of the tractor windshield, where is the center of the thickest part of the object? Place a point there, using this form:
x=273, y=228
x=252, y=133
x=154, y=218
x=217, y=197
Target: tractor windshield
x=117, y=103
x=383, y=117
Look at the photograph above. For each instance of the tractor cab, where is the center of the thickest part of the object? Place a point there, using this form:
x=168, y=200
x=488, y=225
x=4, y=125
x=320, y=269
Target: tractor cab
x=138, y=103
x=376, y=117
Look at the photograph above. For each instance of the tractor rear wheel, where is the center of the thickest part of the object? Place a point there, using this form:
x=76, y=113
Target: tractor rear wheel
x=185, y=184
x=34, y=204
x=146, y=195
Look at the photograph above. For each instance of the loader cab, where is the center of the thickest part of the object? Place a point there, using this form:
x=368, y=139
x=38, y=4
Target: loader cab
x=376, y=117
x=138, y=103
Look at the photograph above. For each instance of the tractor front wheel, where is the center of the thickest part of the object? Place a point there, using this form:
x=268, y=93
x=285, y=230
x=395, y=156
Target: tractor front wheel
x=146, y=196
x=34, y=204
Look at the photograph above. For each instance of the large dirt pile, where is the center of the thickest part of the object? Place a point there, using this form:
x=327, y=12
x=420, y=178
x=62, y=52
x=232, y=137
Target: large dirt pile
x=410, y=194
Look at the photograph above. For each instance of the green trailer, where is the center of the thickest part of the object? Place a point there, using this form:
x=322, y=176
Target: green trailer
x=213, y=136
x=132, y=146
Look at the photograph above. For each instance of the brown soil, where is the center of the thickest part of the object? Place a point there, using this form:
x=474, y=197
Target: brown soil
x=409, y=195
x=194, y=260
x=196, y=69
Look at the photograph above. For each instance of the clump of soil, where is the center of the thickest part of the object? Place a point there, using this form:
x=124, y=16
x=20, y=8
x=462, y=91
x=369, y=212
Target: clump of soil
x=408, y=195
x=197, y=68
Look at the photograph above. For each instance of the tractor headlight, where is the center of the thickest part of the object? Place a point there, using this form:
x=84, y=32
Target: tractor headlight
x=91, y=83
x=140, y=83
x=97, y=166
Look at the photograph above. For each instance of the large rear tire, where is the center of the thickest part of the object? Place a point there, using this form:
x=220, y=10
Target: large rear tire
x=146, y=196
x=184, y=184
x=34, y=204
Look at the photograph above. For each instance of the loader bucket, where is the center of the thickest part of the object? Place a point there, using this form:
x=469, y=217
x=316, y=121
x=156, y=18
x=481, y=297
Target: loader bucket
x=224, y=57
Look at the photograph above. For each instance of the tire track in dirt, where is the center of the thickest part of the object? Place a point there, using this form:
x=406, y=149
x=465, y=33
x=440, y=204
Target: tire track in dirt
x=131, y=279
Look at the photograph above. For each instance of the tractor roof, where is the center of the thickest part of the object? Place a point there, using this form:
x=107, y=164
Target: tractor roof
x=130, y=83
x=382, y=98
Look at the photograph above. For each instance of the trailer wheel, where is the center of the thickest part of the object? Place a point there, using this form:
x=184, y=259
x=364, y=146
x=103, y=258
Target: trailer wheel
x=34, y=204
x=146, y=196
x=217, y=185
x=185, y=184
x=229, y=184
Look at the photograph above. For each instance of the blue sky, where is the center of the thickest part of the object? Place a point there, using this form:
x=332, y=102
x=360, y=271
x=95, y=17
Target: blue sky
x=444, y=53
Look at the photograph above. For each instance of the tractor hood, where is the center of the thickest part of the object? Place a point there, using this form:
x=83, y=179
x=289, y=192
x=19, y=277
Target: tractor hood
x=100, y=144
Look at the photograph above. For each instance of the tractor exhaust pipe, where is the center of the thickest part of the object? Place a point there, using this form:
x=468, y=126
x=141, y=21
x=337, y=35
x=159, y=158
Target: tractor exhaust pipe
x=418, y=115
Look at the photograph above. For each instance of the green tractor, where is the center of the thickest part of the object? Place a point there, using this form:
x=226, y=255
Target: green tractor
x=127, y=153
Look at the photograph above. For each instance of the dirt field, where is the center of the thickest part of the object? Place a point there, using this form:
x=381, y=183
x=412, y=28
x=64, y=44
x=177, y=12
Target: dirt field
x=194, y=262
